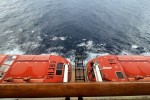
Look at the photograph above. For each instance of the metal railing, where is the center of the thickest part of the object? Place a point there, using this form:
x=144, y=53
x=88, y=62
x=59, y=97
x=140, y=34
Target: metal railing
x=40, y=90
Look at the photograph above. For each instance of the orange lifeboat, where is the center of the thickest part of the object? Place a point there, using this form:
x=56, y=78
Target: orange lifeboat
x=118, y=68
x=34, y=69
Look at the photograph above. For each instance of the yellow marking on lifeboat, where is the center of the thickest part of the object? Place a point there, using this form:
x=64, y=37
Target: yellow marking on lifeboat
x=107, y=67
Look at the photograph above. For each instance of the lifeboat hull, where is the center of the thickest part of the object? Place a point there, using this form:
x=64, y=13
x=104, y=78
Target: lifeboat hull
x=119, y=68
x=33, y=69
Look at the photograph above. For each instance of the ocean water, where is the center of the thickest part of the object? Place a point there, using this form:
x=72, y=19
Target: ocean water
x=62, y=26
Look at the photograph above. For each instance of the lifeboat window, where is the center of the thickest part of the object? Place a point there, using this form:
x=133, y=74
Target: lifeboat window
x=58, y=72
x=59, y=69
x=9, y=60
x=59, y=65
x=4, y=68
x=119, y=75
x=1, y=74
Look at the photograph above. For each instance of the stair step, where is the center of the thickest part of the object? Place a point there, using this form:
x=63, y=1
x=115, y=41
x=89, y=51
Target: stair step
x=79, y=67
x=80, y=79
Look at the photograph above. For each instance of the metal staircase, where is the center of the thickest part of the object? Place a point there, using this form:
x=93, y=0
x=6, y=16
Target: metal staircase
x=79, y=67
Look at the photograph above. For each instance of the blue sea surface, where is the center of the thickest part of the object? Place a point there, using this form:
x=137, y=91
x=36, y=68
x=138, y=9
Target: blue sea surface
x=62, y=26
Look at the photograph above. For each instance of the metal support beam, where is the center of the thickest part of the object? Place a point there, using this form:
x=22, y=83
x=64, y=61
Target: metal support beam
x=40, y=90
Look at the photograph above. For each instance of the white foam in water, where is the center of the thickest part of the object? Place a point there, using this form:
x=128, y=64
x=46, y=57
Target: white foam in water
x=8, y=32
x=125, y=53
x=146, y=54
x=16, y=51
x=71, y=59
x=21, y=30
x=59, y=38
x=54, y=53
x=92, y=55
x=82, y=44
x=62, y=38
x=54, y=38
x=129, y=53
x=88, y=44
x=134, y=46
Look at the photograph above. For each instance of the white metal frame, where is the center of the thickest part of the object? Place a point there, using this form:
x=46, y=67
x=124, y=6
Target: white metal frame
x=97, y=73
x=66, y=67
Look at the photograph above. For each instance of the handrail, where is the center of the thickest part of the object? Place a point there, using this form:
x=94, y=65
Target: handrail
x=97, y=73
x=65, y=79
x=39, y=90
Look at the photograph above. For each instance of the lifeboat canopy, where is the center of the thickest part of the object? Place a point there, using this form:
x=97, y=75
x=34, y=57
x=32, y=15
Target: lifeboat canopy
x=119, y=68
x=34, y=68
